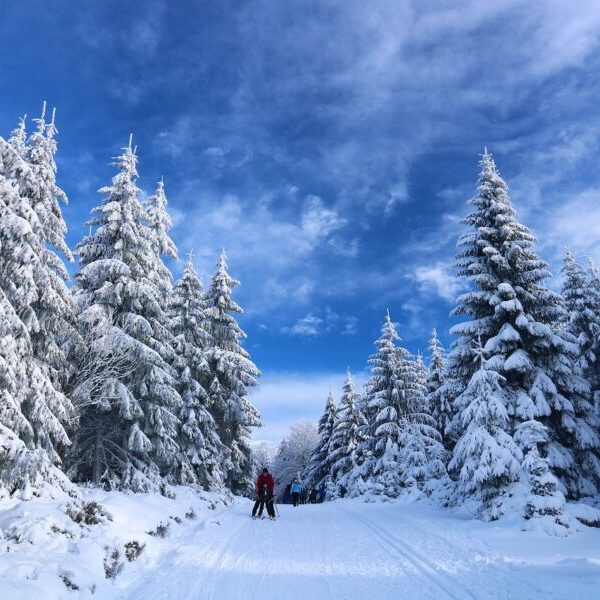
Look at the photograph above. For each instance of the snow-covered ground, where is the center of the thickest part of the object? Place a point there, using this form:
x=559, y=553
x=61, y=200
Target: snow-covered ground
x=343, y=550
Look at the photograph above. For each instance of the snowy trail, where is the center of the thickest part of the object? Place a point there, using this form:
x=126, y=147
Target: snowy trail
x=323, y=551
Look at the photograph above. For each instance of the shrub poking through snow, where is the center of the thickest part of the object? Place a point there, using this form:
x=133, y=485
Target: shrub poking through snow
x=88, y=513
x=133, y=550
x=56, y=529
x=177, y=520
x=162, y=529
x=190, y=514
x=67, y=579
x=112, y=563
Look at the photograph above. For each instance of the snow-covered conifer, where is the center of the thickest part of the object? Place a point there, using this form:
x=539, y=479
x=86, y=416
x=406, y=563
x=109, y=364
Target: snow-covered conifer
x=422, y=455
x=128, y=422
x=55, y=333
x=545, y=499
x=159, y=223
x=232, y=373
x=386, y=405
x=439, y=405
x=347, y=432
x=486, y=459
x=582, y=326
x=516, y=317
x=32, y=412
x=201, y=454
x=318, y=466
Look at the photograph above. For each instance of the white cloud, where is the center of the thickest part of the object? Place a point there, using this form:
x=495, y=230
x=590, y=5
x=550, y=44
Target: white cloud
x=438, y=279
x=575, y=223
x=313, y=325
x=285, y=398
x=319, y=221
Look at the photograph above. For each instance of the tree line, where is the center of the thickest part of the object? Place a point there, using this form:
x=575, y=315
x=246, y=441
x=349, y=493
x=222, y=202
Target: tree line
x=124, y=379
x=512, y=410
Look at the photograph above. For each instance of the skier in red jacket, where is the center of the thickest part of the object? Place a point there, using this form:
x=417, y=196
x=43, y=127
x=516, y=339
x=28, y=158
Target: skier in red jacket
x=264, y=494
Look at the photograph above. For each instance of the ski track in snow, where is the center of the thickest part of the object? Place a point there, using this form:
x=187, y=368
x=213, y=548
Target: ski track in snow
x=322, y=551
x=344, y=550
x=445, y=582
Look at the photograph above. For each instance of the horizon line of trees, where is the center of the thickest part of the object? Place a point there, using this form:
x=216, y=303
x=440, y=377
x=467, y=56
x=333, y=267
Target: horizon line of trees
x=512, y=410
x=124, y=380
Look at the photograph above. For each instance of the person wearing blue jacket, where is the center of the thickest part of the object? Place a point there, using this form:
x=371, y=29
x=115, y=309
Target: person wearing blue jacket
x=296, y=490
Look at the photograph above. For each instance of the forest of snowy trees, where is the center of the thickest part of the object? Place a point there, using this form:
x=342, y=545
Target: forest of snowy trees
x=512, y=411
x=121, y=379
x=129, y=381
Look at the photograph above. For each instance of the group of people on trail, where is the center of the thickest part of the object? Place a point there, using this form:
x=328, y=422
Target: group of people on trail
x=295, y=493
x=265, y=484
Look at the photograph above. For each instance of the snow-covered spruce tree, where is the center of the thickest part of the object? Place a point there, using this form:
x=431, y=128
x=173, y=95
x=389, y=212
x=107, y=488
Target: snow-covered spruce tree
x=422, y=455
x=159, y=223
x=317, y=469
x=439, y=406
x=583, y=327
x=201, y=453
x=55, y=333
x=593, y=285
x=128, y=423
x=32, y=411
x=486, y=459
x=347, y=433
x=18, y=137
x=232, y=372
x=378, y=469
x=516, y=318
x=397, y=412
x=545, y=500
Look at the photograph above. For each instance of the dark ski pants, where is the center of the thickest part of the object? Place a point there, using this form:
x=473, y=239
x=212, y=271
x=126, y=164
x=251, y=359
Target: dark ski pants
x=295, y=498
x=259, y=506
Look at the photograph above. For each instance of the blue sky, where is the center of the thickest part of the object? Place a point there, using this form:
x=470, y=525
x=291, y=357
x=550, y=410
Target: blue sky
x=328, y=146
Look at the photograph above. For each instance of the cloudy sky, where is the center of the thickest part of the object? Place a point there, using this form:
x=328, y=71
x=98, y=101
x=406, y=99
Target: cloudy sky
x=328, y=146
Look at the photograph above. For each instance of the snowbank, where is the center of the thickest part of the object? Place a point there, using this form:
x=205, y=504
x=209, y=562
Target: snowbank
x=85, y=545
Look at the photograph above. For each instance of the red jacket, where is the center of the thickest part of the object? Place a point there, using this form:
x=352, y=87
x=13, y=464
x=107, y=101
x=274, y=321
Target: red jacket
x=265, y=478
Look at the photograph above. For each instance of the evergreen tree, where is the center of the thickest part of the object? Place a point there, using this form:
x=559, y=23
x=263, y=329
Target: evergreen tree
x=232, y=373
x=346, y=434
x=422, y=456
x=32, y=411
x=55, y=331
x=385, y=404
x=486, y=459
x=593, y=285
x=404, y=447
x=159, y=223
x=439, y=406
x=201, y=452
x=18, y=138
x=128, y=422
x=545, y=499
x=318, y=466
x=582, y=326
x=515, y=317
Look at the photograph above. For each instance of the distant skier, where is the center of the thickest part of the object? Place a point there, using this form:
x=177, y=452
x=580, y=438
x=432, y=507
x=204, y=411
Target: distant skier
x=296, y=491
x=322, y=492
x=264, y=495
x=312, y=497
x=287, y=494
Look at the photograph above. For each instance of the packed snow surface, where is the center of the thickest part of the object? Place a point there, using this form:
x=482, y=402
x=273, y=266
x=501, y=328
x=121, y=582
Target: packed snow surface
x=347, y=549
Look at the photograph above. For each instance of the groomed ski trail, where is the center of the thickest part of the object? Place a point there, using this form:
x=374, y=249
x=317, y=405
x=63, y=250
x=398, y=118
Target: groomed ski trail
x=312, y=551
x=352, y=550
